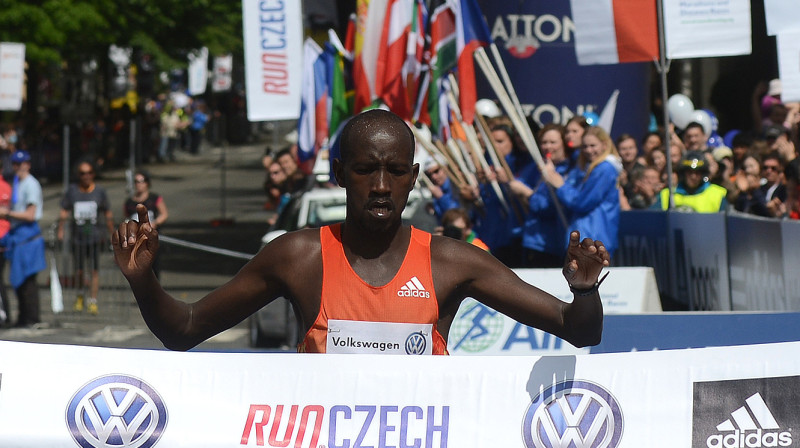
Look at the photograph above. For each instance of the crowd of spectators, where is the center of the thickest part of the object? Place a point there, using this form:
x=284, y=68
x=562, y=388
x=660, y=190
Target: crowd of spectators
x=522, y=211
x=587, y=179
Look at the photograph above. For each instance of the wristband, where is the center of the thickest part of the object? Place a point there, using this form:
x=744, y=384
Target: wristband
x=588, y=291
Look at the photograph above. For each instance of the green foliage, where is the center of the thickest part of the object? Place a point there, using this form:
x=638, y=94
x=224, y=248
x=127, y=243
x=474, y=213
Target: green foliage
x=62, y=30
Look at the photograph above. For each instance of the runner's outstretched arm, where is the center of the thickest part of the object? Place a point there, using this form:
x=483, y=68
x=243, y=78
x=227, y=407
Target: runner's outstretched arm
x=180, y=325
x=479, y=275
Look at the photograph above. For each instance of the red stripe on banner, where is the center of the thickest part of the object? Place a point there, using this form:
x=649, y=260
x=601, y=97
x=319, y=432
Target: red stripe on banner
x=636, y=24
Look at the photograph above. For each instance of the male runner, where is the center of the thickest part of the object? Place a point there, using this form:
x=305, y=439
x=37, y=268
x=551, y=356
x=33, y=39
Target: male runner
x=371, y=278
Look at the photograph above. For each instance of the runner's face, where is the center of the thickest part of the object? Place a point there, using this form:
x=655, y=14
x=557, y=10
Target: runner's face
x=378, y=174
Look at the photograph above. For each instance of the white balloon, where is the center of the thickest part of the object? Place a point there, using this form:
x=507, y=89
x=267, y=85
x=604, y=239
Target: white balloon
x=680, y=110
x=702, y=117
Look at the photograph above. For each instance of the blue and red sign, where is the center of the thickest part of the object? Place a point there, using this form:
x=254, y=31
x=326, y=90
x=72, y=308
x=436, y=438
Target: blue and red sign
x=536, y=40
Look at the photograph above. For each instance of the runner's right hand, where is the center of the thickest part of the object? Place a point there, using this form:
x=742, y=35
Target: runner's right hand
x=135, y=245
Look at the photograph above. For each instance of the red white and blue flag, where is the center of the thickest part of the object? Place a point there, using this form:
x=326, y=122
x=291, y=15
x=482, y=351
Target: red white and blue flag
x=472, y=32
x=314, y=102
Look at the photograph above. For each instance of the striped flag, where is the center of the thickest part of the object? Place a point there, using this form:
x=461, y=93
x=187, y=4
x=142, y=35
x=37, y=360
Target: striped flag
x=415, y=49
x=340, y=97
x=443, y=59
x=369, y=27
x=615, y=31
x=472, y=32
x=389, y=80
x=313, y=105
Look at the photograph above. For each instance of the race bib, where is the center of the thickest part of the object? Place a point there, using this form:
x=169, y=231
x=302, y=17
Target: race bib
x=348, y=336
x=85, y=211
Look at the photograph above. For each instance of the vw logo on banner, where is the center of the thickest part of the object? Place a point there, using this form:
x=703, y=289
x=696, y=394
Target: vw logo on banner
x=416, y=344
x=573, y=414
x=116, y=411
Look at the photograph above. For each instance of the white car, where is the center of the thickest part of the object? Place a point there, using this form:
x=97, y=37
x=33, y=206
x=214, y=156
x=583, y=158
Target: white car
x=275, y=325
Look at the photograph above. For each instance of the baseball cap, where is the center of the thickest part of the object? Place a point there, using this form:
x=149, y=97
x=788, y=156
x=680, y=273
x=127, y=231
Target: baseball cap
x=20, y=156
x=721, y=152
x=693, y=160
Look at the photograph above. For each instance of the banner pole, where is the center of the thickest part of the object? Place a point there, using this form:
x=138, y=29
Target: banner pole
x=663, y=69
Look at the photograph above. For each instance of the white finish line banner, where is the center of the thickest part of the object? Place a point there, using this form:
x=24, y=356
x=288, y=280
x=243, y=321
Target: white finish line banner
x=68, y=396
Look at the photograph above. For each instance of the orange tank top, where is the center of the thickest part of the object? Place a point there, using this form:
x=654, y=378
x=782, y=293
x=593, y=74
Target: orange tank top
x=399, y=317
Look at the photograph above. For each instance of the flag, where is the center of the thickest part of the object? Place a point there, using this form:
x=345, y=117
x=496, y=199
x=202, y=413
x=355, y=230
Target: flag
x=472, y=32
x=307, y=123
x=442, y=60
x=339, y=96
x=615, y=31
x=606, y=120
x=415, y=53
x=389, y=82
x=369, y=27
x=350, y=36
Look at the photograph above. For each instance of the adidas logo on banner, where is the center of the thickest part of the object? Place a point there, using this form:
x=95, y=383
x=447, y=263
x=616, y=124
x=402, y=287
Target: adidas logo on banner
x=413, y=288
x=755, y=426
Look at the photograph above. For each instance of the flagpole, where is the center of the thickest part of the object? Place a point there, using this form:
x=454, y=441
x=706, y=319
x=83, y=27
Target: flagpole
x=663, y=69
x=506, y=79
x=499, y=163
x=474, y=146
x=432, y=150
x=522, y=127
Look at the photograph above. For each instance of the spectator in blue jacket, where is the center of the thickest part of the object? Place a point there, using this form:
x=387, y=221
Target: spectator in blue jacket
x=498, y=227
x=590, y=191
x=544, y=236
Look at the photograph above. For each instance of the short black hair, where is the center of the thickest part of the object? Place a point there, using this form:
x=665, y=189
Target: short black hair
x=362, y=124
x=694, y=124
x=145, y=175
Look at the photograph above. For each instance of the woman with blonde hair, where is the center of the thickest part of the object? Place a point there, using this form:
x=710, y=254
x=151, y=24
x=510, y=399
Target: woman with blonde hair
x=589, y=193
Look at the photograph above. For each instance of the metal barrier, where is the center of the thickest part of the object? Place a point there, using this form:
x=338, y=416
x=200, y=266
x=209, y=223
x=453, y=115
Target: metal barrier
x=115, y=301
x=73, y=264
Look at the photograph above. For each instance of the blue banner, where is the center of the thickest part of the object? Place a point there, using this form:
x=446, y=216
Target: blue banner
x=755, y=255
x=537, y=44
x=667, y=331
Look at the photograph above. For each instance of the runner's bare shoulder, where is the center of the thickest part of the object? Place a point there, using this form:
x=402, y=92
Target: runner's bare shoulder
x=297, y=248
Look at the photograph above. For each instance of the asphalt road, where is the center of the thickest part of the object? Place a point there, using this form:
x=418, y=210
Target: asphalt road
x=214, y=199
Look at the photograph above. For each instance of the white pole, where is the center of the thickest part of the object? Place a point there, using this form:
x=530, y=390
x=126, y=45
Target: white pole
x=522, y=127
x=475, y=146
x=663, y=69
